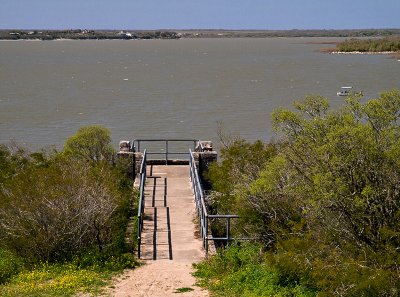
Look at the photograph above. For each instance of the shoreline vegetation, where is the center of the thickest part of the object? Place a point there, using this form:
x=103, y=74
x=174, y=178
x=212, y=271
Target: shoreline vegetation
x=63, y=217
x=368, y=41
x=320, y=203
x=81, y=34
x=380, y=45
x=389, y=45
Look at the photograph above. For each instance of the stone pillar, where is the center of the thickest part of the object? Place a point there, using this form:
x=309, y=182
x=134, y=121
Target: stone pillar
x=204, y=155
x=125, y=158
x=205, y=159
x=137, y=160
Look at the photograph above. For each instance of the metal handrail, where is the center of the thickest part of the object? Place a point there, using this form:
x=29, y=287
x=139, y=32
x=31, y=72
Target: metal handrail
x=141, y=200
x=135, y=145
x=202, y=208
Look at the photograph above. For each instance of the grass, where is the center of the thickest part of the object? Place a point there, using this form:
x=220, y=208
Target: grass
x=9, y=265
x=242, y=271
x=55, y=280
x=65, y=279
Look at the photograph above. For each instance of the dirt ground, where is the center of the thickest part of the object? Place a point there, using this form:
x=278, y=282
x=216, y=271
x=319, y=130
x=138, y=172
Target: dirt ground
x=158, y=279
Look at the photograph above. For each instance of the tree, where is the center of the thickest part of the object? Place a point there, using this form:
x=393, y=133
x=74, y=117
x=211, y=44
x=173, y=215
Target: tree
x=347, y=166
x=326, y=206
x=55, y=205
x=91, y=143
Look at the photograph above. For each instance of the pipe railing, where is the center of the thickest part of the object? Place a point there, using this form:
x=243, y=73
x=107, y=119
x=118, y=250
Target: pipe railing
x=136, y=144
x=141, y=201
x=201, y=207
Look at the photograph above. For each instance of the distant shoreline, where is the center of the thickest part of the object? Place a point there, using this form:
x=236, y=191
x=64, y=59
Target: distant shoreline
x=388, y=45
x=363, y=53
x=333, y=51
x=79, y=34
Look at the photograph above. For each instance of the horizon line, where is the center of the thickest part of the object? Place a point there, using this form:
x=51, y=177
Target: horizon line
x=202, y=29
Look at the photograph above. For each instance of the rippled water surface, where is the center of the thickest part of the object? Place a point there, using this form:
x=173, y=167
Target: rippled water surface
x=170, y=88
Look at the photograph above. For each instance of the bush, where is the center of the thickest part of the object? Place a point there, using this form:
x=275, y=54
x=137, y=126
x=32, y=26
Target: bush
x=51, y=213
x=90, y=143
x=242, y=271
x=325, y=206
x=9, y=265
x=55, y=205
x=389, y=44
x=63, y=218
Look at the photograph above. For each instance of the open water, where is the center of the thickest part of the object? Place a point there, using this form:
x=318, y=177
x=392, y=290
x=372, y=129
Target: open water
x=170, y=88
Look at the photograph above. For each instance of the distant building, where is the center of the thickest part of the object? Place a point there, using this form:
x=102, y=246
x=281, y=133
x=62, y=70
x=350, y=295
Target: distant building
x=125, y=34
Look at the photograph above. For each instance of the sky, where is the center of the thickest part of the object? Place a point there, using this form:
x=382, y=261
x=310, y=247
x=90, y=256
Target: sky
x=199, y=14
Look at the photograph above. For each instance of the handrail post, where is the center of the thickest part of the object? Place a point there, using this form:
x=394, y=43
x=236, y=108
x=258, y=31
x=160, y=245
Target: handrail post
x=141, y=201
x=206, y=234
x=228, y=227
x=166, y=152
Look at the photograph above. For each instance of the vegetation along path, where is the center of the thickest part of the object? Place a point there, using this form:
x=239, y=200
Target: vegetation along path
x=167, y=187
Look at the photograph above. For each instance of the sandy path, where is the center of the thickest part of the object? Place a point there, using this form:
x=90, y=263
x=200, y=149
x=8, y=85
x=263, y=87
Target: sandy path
x=158, y=278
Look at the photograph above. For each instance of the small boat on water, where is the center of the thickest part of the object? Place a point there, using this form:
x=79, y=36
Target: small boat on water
x=347, y=91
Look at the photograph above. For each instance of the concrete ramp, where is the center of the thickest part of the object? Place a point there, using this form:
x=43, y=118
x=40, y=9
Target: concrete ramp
x=169, y=228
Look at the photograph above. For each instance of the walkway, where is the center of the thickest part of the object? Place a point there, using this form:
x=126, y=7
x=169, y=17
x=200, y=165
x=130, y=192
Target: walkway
x=166, y=187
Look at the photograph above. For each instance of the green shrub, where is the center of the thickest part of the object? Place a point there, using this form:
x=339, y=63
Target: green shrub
x=243, y=271
x=325, y=206
x=52, y=213
x=54, y=206
x=90, y=143
x=9, y=265
x=370, y=45
x=63, y=218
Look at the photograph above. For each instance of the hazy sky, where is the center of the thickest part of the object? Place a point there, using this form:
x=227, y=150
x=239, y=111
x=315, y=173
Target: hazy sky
x=201, y=14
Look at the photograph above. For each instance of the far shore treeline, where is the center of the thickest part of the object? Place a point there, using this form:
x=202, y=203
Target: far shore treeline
x=83, y=34
x=387, y=44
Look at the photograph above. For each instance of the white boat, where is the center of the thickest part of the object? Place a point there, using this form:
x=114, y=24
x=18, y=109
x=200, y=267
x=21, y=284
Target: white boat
x=347, y=91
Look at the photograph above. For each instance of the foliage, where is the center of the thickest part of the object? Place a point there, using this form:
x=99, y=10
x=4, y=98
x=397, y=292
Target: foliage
x=242, y=271
x=345, y=168
x=9, y=265
x=52, y=280
x=79, y=34
x=70, y=208
x=326, y=205
x=66, y=279
x=90, y=143
x=387, y=44
x=241, y=165
x=64, y=209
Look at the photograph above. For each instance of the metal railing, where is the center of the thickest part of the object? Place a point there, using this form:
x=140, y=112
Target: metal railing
x=141, y=200
x=202, y=208
x=165, y=149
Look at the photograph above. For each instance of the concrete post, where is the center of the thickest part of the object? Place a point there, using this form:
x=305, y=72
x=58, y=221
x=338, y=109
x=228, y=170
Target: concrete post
x=137, y=161
x=204, y=155
x=125, y=158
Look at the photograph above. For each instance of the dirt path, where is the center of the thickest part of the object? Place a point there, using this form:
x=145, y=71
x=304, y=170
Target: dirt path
x=158, y=279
